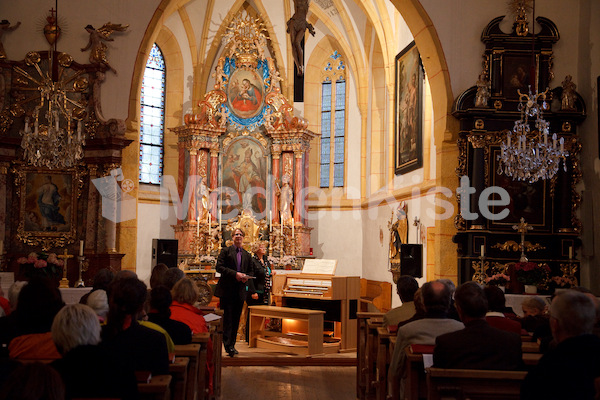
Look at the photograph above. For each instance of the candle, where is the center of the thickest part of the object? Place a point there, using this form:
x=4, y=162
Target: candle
x=570, y=252
x=81, y=248
x=292, y=228
x=482, y=250
x=209, y=222
x=198, y=226
x=220, y=219
x=270, y=221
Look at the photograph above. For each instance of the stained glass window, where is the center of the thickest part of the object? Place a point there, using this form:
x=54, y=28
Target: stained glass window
x=152, y=118
x=333, y=121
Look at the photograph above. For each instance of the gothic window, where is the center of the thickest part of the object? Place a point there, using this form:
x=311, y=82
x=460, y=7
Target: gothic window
x=152, y=118
x=333, y=122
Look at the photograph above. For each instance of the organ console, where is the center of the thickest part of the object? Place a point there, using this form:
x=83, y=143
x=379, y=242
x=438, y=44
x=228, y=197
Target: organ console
x=338, y=296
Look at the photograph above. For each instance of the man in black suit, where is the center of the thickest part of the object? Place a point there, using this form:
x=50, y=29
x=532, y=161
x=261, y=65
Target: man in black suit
x=478, y=346
x=235, y=266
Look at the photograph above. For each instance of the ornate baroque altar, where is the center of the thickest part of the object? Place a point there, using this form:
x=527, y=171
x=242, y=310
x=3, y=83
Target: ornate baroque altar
x=243, y=155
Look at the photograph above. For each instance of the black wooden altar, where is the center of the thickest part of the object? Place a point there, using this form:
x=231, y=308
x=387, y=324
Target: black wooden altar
x=486, y=112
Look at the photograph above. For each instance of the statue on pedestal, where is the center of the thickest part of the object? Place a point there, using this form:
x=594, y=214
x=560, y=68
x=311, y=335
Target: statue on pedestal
x=286, y=199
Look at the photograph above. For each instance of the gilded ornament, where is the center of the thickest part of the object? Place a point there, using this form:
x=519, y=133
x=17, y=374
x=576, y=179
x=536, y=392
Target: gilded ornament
x=566, y=126
x=498, y=105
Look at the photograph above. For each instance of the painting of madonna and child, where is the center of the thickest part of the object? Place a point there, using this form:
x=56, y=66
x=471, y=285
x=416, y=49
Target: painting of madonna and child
x=244, y=177
x=245, y=93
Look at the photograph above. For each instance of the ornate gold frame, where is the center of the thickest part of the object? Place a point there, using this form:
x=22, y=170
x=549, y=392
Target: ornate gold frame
x=24, y=189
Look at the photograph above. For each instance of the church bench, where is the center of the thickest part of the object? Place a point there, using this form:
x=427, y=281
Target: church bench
x=384, y=355
x=450, y=384
x=415, y=382
x=158, y=388
x=197, y=354
x=216, y=334
x=178, y=369
x=362, y=353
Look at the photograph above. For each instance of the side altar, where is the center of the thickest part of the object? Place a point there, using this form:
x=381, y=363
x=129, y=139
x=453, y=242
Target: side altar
x=243, y=155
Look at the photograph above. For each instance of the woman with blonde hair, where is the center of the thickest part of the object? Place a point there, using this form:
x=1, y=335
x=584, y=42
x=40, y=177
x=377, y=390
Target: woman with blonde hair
x=185, y=295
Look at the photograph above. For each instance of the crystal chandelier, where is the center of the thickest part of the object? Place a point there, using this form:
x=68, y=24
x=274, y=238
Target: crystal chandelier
x=531, y=156
x=56, y=140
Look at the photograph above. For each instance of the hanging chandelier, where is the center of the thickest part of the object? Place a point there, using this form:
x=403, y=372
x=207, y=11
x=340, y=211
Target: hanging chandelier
x=531, y=156
x=55, y=140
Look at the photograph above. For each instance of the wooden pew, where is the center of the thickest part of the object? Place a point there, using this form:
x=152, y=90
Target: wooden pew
x=157, y=389
x=384, y=356
x=216, y=335
x=415, y=384
x=178, y=369
x=450, y=384
x=362, y=354
x=197, y=354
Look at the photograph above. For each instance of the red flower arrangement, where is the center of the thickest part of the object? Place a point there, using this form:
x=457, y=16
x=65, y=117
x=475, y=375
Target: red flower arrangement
x=530, y=273
x=41, y=265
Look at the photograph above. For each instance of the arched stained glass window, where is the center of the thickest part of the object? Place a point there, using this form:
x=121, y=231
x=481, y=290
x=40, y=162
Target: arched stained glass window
x=152, y=118
x=333, y=122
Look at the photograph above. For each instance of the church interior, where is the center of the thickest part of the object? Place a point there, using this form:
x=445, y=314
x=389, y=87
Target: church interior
x=360, y=140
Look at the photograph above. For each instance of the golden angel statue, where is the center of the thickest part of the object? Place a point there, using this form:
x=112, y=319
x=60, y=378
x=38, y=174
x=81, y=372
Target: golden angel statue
x=98, y=48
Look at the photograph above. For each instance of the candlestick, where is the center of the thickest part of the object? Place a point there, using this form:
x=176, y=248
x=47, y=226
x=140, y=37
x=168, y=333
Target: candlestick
x=220, y=218
x=570, y=253
x=198, y=226
x=482, y=250
x=81, y=247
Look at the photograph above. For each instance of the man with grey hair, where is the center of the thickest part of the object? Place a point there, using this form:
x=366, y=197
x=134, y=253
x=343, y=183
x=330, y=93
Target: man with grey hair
x=568, y=371
x=436, y=300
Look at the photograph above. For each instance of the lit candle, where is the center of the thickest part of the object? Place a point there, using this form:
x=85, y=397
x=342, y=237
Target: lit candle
x=292, y=228
x=81, y=248
x=570, y=253
x=198, y=226
x=562, y=144
x=482, y=250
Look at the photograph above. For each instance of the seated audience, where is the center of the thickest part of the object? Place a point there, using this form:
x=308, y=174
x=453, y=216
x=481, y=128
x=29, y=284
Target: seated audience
x=8, y=323
x=452, y=311
x=4, y=303
x=478, y=345
x=145, y=347
x=98, y=301
x=76, y=333
x=419, y=309
x=535, y=317
x=39, y=301
x=33, y=381
x=157, y=275
x=406, y=286
x=436, y=299
x=568, y=371
x=496, y=307
x=142, y=319
x=172, y=276
x=596, y=302
x=102, y=279
x=13, y=293
x=185, y=295
x=160, y=313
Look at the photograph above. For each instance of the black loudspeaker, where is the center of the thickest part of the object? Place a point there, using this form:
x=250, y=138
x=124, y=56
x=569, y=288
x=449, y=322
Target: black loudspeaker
x=164, y=251
x=411, y=260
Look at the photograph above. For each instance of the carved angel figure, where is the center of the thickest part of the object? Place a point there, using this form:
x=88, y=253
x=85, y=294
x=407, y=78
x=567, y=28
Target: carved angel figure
x=5, y=27
x=98, y=48
x=483, y=91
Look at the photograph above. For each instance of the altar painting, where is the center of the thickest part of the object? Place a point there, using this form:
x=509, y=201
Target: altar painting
x=244, y=179
x=245, y=93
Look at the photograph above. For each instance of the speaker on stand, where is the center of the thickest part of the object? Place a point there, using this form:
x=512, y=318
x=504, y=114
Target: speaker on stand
x=164, y=251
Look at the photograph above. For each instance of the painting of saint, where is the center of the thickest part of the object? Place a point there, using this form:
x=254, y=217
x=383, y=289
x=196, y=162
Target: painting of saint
x=48, y=202
x=409, y=86
x=244, y=175
x=245, y=93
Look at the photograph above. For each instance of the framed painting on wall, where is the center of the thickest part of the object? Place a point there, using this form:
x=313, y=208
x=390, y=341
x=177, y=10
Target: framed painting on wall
x=48, y=206
x=408, y=111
